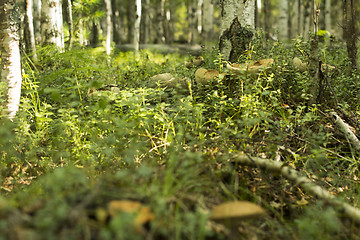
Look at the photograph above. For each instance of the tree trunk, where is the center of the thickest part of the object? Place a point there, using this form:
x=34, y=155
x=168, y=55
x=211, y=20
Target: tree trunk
x=283, y=20
x=29, y=30
x=314, y=60
x=307, y=19
x=145, y=22
x=192, y=20
x=52, y=23
x=237, y=17
x=207, y=21
x=10, y=55
x=350, y=32
x=328, y=26
x=137, y=21
x=71, y=24
x=267, y=22
x=131, y=14
x=159, y=21
x=37, y=20
x=109, y=26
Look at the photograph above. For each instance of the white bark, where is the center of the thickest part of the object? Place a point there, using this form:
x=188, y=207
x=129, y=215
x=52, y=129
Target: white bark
x=109, y=26
x=10, y=55
x=30, y=27
x=283, y=20
x=137, y=26
x=52, y=23
x=235, y=8
x=244, y=11
x=207, y=20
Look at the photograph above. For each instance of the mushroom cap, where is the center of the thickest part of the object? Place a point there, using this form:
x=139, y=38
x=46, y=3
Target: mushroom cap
x=237, y=210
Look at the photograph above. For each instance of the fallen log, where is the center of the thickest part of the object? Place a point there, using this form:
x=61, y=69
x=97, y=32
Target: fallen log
x=305, y=183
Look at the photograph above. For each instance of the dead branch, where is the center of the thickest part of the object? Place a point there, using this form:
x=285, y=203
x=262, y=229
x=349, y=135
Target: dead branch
x=301, y=181
x=344, y=127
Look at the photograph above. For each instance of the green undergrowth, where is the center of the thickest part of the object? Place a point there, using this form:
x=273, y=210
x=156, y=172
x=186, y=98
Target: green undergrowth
x=93, y=129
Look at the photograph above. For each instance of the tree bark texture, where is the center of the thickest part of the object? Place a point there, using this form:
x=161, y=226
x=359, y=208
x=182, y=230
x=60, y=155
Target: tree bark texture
x=29, y=30
x=52, y=23
x=10, y=55
x=109, y=26
x=137, y=21
x=283, y=20
x=237, y=18
x=350, y=32
x=71, y=23
x=207, y=21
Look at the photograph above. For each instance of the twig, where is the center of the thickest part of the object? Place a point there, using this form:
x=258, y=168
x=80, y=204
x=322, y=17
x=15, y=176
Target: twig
x=301, y=181
x=346, y=130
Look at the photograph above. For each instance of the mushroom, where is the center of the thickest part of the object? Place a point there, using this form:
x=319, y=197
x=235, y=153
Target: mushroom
x=204, y=76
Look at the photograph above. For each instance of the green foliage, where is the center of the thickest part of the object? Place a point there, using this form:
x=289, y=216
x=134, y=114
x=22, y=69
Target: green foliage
x=93, y=129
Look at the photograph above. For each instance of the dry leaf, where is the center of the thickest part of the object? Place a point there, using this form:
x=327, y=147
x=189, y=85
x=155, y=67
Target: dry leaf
x=236, y=210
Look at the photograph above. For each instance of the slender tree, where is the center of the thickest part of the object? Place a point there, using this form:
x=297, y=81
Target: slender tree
x=10, y=55
x=207, y=21
x=283, y=19
x=29, y=30
x=350, y=32
x=109, y=26
x=71, y=24
x=137, y=26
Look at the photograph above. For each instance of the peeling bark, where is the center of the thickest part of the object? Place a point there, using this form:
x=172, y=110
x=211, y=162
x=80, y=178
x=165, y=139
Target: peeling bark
x=10, y=55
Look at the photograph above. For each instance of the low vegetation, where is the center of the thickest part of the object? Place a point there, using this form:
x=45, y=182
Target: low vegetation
x=101, y=151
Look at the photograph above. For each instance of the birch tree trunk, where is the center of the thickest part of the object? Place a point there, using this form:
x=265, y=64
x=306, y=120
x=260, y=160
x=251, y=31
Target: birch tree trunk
x=108, y=26
x=37, y=20
x=283, y=20
x=52, y=23
x=10, y=55
x=136, y=40
x=328, y=26
x=29, y=30
x=207, y=21
x=237, y=17
x=71, y=23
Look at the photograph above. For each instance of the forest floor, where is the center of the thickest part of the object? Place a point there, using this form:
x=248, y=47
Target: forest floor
x=106, y=148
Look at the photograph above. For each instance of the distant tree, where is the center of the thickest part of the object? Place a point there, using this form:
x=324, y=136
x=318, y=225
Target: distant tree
x=52, y=23
x=70, y=22
x=327, y=8
x=137, y=21
x=30, y=44
x=10, y=55
x=109, y=26
x=350, y=33
x=208, y=21
x=283, y=29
